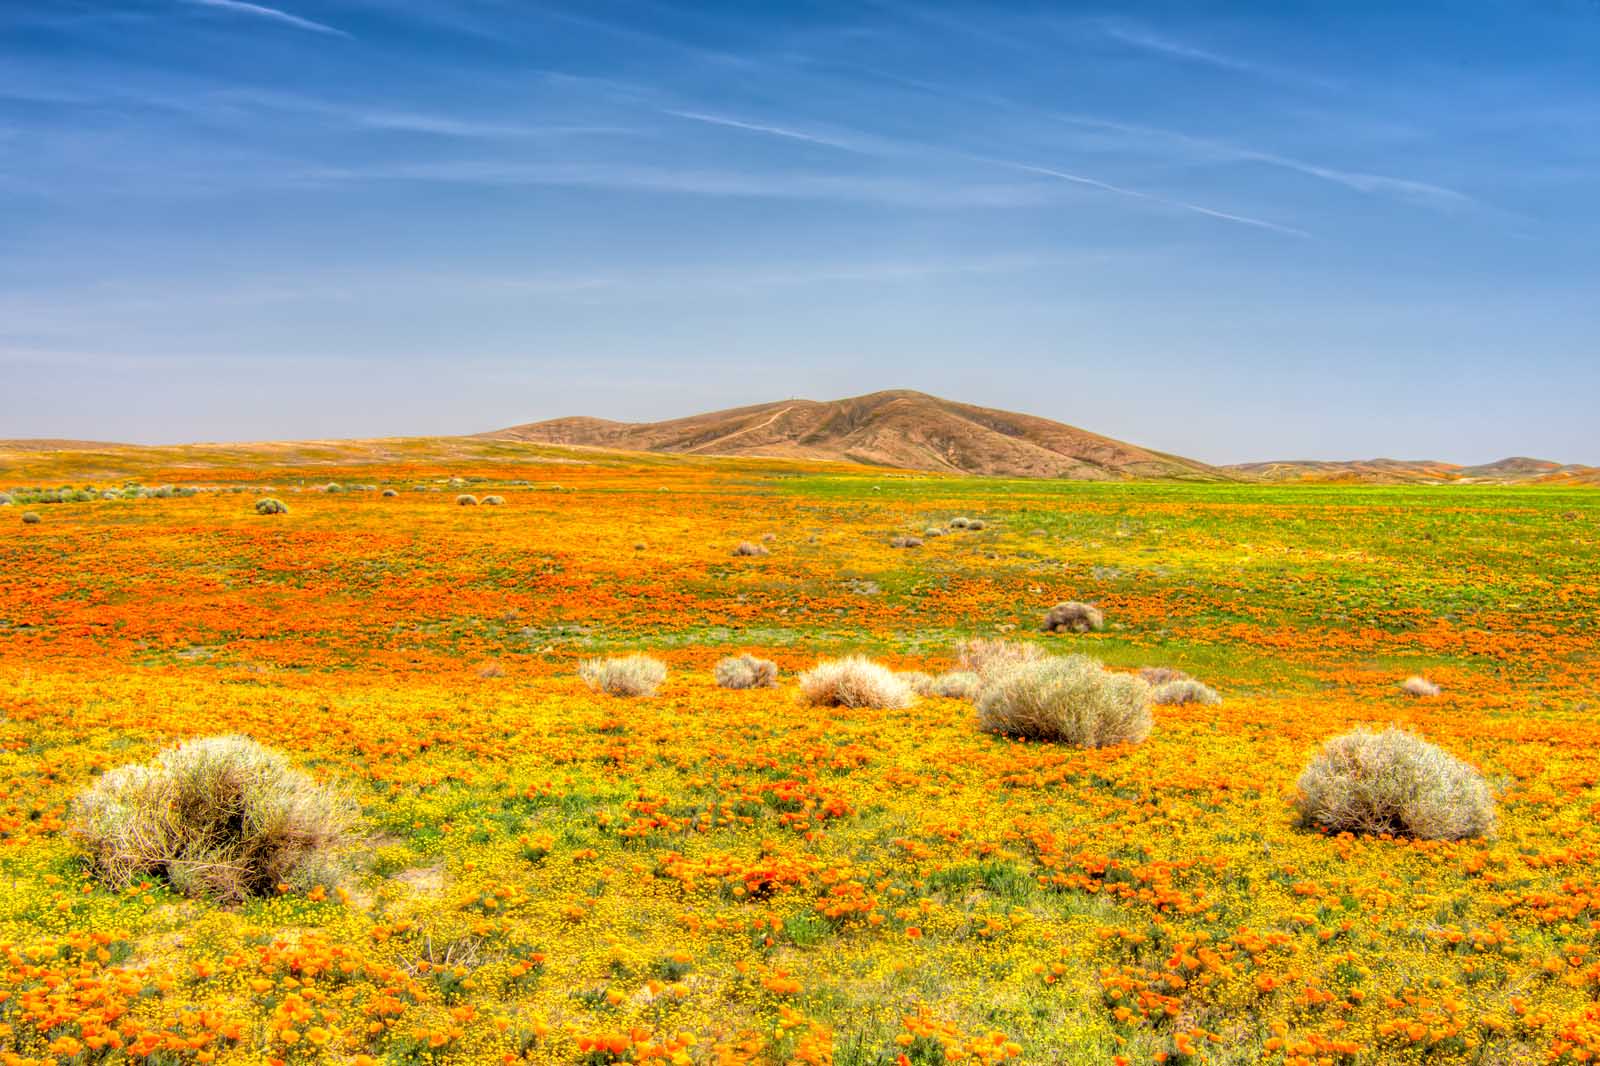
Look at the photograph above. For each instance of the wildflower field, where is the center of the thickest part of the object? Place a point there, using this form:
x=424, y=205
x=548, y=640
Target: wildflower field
x=548, y=874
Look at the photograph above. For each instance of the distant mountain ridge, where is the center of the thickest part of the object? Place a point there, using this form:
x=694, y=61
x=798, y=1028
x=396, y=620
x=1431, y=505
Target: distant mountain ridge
x=897, y=428
x=1516, y=470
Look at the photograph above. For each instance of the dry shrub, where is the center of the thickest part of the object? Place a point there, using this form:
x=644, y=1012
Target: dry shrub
x=627, y=675
x=1394, y=782
x=746, y=671
x=271, y=506
x=960, y=523
x=466, y=499
x=956, y=685
x=493, y=501
x=1072, y=699
x=491, y=670
x=975, y=525
x=390, y=493
x=1160, y=675
x=906, y=542
x=855, y=681
x=933, y=531
x=30, y=518
x=1417, y=685
x=746, y=547
x=1184, y=690
x=984, y=656
x=1074, y=617
x=921, y=682
x=220, y=816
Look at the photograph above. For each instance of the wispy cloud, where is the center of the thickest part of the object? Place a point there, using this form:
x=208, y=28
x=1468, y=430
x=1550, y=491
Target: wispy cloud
x=1422, y=192
x=1182, y=205
x=784, y=185
x=261, y=11
x=771, y=130
x=1135, y=36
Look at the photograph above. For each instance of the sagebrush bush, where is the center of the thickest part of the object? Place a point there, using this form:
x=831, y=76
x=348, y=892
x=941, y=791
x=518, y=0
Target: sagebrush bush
x=982, y=655
x=30, y=518
x=271, y=506
x=975, y=525
x=960, y=523
x=933, y=531
x=1394, y=782
x=1160, y=675
x=1072, y=699
x=466, y=499
x=219, y=816
x=953, y=684
x=854, y=681
x=1074, y=617
x=627, y=675
x=747, y=547
x=493, y=501
x=746, y=671
x=390, y=493
x=906, y=542
x=1417, y=685
x=1184, y=690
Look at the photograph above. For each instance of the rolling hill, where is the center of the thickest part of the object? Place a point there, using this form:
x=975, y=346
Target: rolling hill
x=1517, y=470
x=899, y=428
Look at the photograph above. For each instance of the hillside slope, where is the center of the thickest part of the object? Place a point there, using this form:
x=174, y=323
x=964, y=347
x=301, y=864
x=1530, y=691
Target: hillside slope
x=900, y=428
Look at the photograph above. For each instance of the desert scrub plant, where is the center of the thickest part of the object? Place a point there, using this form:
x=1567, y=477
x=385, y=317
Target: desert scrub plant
x=390, y=494
x=954, y=684
x=221, y=816
x=906, y=542
x=746, y=671
x=30, y=518
x=1419, y=686
x=494, y=501
x=746, y=547
x=1072, y=699
x=1394, y=782
x=854, y=681
x=957, y=685
x=1073, y=617
x=269, y=505
x=467, y=499
x=626, y=675
x=1160, y=675
x=983, y=655
x=1183, y=690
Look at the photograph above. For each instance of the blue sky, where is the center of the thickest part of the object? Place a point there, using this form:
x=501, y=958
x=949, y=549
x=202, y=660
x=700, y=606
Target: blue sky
x=1232, y=231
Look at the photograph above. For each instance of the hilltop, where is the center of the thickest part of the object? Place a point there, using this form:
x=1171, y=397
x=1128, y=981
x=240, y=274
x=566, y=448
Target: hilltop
x=898, y=428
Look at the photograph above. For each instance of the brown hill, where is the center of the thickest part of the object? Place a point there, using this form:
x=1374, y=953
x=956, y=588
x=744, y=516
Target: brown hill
x=900, y=428
x=1517, y=470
